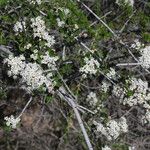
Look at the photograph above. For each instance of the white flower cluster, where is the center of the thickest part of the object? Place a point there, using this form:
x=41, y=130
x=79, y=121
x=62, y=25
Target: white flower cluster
x=141, y=93
x=145, y=57
x=92, y=99
x=31, y=73
x=40, y=31
x=12, y=121
x=137, y=44
x=111, y=74
x=28, y=46
x=113, y=128
x=106, y=148
x=105, y=86
x=146, y=117
x=91, y=66
x=132, y=148
x=35, y=1
x=129, y=2
x=34, y=56
x=49, y=61
x=119, y=92
x=16, y=65
x=66, y=11
x=60, y=23
x=19, y=26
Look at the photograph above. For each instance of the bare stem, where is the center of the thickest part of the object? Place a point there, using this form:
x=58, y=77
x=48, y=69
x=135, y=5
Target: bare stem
x=74, y=106
x=27, y=104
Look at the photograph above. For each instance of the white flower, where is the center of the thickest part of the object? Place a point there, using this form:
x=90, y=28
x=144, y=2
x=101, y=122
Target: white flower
x=111, y=74
x=145, y=57
x=66, y=11
x=106, y=148
x=129, y=2
x=137, y=44
x=60, y=23
x=105, y=86
x=118, y=92
x=92, y=99
x=91, y=66
x=140, y=93
x=113, y=128
x=40, y=31
x=12, y=121
x=49, y=61
x=132, y=148
x=35, y=1
x=31, y=73
x=76, y=26
x=38, y=2
x=146, y=117
x=19, y=27
x=34, y=56
x=16, y=64
x=123, y=124
x=28, y=46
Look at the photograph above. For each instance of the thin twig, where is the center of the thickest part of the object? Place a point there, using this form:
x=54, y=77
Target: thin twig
x=127, y=22
x=98, y=18
x=84, y=45
x=74, y=106
x=128, y=64
x=27, y=104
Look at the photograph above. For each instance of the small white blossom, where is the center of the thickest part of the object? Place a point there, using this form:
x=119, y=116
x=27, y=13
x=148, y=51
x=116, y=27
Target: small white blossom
x=60, y=23
x=137, y=44
x=35, y=1
x=28, y=46
x=113, y=128
x=91, y=66
x=111, y=74
x=34, y=56
x=49, y=61
x=129, y=2
x=146, y=117
x=145, y=57
x=105, y=86
x=106, y=148
x=16, y=64
x=19, y=26
x=119, y=92
x=12, y=121
x=92, y=99
x=132, y=148
x=76, y=26
x=66, y=11
x=40, y=31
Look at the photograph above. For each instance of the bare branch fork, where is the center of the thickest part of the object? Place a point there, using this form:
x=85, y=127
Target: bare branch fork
x=99, y=19
x=27, y=104
x=72, y=100
x=113, y=33
x=62, y=94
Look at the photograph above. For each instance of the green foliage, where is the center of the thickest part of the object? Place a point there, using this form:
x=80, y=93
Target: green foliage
x=3, y=2
x=119, y=147
x=146, y=37
x=49, y=98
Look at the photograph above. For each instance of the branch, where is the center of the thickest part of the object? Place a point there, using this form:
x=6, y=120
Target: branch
x=62, y=94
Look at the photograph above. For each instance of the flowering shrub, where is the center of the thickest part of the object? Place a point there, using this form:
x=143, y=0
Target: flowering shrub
x=63, y=50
